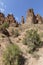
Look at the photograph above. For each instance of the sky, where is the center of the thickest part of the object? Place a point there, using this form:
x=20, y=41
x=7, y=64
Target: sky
x=19, y=7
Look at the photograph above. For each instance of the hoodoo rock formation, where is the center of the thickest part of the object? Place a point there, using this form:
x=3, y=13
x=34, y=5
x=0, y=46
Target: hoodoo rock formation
x=10, y=18
x=31, y=18
x=39, y=18
x=22, y=20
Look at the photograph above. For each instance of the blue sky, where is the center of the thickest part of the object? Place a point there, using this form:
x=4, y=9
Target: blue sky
x=19, y=7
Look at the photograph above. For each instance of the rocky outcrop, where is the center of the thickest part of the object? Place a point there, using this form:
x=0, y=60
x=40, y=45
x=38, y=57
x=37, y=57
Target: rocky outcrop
x=39, y=18
x=5, y=32
x=30, y=16
x=22, y=20
x=10, y=18
x=2, y=18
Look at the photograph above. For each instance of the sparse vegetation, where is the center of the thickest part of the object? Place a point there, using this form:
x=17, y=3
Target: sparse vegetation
x=32, y=39
x=15, y=32
x=18, y=39
x=10, y=56
x=5, y=25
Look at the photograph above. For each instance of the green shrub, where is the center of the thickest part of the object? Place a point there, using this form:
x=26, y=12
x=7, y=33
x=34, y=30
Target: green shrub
x=10, y=56
x=32, y=39
x=5, y=25
x=15, y=33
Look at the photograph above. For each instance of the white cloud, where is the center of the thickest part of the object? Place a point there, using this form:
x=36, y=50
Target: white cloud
x=2, y=10
x=2, y=6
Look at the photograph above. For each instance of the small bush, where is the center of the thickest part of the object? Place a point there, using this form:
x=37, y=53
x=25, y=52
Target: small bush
x=5, y=25
x=32, y=39
x=15, y=33
x=10, y=56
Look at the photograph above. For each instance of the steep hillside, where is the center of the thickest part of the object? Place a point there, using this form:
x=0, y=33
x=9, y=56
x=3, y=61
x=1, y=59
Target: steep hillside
x=13, y=33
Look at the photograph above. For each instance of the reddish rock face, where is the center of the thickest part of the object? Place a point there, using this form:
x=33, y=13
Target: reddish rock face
x=22, y=20
x=39, y=18
x=2, y=18
x=30, y=16
x=30, y=12
x=11, y=18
